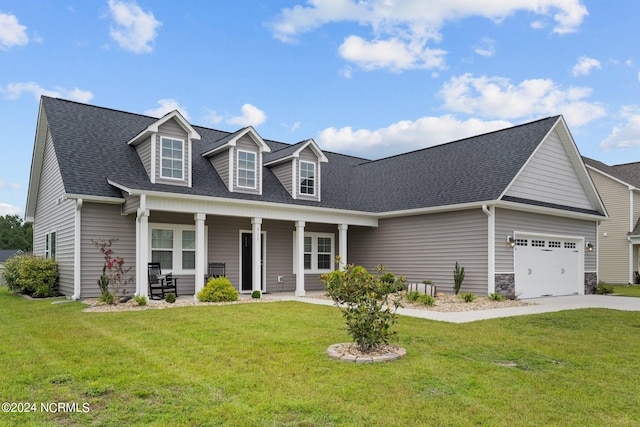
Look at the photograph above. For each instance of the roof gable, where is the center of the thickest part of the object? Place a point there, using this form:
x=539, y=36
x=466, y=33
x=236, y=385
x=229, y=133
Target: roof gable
x=293, y=152
x=231, y=140
x=155, y=126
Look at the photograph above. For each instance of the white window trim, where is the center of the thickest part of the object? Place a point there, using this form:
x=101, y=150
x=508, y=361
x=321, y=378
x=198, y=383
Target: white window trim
x=314, y=252
x=177, y=245
x=315, y=176
x=181, y=163
x=48, y=245
x=255, y=170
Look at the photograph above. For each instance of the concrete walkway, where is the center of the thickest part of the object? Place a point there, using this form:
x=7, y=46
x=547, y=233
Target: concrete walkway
x=539, y=305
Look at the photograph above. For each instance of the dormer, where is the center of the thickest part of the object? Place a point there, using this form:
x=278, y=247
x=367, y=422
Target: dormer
x=165, y=148
x=298, y=168
x=238, y=160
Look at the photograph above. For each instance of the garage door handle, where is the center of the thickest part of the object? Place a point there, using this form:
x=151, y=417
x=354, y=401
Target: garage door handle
x=562, y=271
x=529, y=271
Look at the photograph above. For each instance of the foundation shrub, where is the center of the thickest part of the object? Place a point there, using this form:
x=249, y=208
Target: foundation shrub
x=218, y=289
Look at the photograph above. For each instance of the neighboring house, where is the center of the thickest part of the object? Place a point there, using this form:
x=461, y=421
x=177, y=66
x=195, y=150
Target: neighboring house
x=619, y=238
x=515, y=207
x=5, y=254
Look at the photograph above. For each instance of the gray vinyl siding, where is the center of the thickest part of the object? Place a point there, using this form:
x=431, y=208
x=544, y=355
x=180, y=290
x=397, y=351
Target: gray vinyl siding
x=104, y=222
x=171, y=129
x=245, y=143
x=220, y=162
x=307, y=155
x=613, y=249
x=427, y=247
x=54, y=213
x=283, y=172
x=507, y=221
x=144, y=151
x=551, y=177
x=131, y=204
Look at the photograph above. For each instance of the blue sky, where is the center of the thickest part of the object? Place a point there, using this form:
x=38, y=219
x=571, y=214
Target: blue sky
x=368, y=78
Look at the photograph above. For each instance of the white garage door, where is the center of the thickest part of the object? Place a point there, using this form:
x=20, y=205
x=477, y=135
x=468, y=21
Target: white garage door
x=546, y=265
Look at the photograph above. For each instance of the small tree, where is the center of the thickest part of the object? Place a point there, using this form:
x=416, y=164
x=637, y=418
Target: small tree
x=113, y=270
x=458, y=277
x=364, y=302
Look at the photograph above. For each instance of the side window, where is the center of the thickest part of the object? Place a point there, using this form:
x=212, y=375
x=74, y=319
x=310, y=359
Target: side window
x=246, y=169
x=172, y=158
x=307, y=178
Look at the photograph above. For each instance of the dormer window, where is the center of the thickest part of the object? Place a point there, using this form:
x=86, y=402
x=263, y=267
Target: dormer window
x=172, y=158
x=246, y=169
x=307, y=178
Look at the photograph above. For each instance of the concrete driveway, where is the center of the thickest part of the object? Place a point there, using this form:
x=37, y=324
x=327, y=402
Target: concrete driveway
x=539, y=305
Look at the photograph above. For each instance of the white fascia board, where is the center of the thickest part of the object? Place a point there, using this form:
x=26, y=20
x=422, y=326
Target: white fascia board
x=296, y=154
x=223, y=147
x=95, y=199
x=549, y=211
x=158, y=200
x=435, y=209
x=618, y=180
x=37, y=160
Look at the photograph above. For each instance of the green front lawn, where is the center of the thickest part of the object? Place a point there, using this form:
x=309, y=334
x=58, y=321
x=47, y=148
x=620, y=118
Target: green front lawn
x=627, y=290
x=265, y=364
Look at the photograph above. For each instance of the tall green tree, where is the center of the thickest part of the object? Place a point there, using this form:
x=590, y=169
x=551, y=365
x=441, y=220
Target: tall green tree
x=14, y=234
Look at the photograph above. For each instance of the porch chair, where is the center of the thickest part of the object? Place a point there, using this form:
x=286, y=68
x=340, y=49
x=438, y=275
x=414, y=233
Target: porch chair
x=160, y=285
x=216, y=269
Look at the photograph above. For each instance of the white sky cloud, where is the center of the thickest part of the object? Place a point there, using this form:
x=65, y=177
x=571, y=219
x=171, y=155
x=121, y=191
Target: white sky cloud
x=7, y=209
x=497, y=97
x=584, y=66
x=627, y=133
x=402, y=29
x=406, y=135
x=167, y=106
x=15, y=90
x=11, y=32
x=486, y=47
x=12, y=185
x=134, y=29
x=251, y=116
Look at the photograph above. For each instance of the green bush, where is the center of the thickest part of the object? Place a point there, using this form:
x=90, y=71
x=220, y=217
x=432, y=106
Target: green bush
x=458, y=277
x=32, y=275
x=218, y=289
x=170, y=298
x=363, y=300
x=427, y=300
x=603, y=288
x=468, y=297
x=107, y=298
x=394, y=284
x=413, y=296
x=140, y=299
x=496, y=297
x=256, y=294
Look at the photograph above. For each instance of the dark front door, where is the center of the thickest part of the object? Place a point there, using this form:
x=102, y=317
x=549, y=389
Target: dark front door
x=247, y=265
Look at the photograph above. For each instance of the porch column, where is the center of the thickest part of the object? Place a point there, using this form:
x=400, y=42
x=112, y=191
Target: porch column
x=200, y=253
x=342, y=244
x=299, y=267
x=256, y=280
x=142, y=252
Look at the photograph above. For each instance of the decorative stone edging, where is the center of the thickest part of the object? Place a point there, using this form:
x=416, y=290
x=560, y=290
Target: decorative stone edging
x=344, y=353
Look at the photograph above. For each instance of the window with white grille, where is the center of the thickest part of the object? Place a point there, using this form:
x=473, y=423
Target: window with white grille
x=538, y=243
x=569, y=245
x=553, y=244
x=522, y=242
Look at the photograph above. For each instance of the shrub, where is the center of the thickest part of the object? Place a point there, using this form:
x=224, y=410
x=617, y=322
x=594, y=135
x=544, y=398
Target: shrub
x=603, y=288
x=140, y=299
x=218, y=289
x=496, y=297
x=395, y=284
x=413, y=296
x=427, y=300
x=458, y=277
x=468, y=297
x=32, y=275
x=256, y=294
x=170, y=298
x=114, y=278
x=107, y=298
x=364, y=302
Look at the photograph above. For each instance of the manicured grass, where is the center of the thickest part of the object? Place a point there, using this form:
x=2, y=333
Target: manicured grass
x=627, y=290
x=265, y=364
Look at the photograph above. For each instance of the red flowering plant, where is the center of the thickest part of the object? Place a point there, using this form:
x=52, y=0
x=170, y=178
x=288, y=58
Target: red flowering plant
x=113, y=281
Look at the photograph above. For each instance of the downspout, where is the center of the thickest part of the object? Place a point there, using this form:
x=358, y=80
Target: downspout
x=491, y=248
x=77, y=251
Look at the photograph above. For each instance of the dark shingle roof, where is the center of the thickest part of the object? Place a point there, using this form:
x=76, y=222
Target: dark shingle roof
x=5, y=254
x=90, y=143
x=627, y=172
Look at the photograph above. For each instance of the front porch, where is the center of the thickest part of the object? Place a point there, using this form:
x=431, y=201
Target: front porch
x=270, y=255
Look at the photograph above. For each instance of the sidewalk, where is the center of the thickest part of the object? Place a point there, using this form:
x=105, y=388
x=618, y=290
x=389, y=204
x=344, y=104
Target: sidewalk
x=539, y=305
